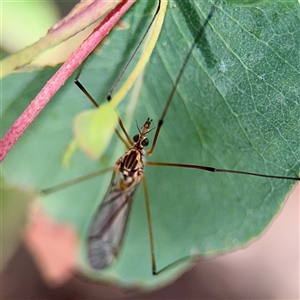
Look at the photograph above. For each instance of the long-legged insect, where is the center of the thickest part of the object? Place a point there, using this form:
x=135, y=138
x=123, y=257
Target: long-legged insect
x=107, y=229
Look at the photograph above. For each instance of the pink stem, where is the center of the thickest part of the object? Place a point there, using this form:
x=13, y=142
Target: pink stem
x=60, y=77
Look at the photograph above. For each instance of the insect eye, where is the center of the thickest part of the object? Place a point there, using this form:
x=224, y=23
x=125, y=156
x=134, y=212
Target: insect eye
x=145, y=142
x=136, y=138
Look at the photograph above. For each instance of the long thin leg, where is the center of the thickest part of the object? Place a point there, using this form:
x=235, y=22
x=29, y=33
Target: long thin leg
x=74, y=181
x=195, y=42
x=83, y=89
x=212, y=169
x=153, y=262
x=150, y=230
x=89, y=96
x=134, y=52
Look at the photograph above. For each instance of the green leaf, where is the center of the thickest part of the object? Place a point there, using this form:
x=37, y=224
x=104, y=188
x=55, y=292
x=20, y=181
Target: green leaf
x=86, y=126
x=236, y=107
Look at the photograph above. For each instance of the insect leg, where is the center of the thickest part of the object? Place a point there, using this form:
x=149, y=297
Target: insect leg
x=195, y=42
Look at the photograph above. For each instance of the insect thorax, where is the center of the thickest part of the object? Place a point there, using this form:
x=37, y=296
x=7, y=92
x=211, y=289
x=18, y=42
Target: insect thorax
x=130, y=167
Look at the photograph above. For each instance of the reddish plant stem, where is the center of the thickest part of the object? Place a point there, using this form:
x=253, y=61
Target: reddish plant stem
x=60, y=77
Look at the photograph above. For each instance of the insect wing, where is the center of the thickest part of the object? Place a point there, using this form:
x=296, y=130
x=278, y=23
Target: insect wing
x=108, y=226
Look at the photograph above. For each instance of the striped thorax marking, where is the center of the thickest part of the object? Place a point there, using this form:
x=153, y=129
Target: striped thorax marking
x=131, y=164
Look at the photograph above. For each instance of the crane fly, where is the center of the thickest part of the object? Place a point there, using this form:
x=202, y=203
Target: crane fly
x=107, y=229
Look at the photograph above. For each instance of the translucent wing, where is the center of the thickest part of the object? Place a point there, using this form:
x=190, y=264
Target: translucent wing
x=108, y=226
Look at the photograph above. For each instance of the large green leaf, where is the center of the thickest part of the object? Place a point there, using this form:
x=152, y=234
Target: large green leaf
x=236, y=107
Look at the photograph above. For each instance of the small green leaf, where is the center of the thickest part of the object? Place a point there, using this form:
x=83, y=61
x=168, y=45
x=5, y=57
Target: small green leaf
x=94, y=129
